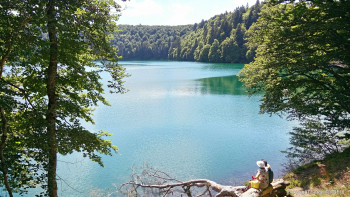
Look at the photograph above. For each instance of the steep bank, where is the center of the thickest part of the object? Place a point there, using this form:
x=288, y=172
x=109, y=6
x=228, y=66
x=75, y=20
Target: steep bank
x=328, y=177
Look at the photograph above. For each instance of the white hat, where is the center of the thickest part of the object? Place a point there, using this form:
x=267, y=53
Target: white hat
x=261, y=164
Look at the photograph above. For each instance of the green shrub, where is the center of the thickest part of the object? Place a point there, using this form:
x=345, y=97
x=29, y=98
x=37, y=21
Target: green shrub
x=294, y=183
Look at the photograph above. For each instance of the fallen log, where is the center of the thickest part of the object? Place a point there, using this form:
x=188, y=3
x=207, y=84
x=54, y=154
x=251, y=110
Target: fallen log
x=165, y=185
x=222, y=190
x=277, y=188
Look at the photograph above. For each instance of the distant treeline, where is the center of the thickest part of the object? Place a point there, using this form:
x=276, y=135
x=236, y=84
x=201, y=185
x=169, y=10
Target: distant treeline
x=220, y=39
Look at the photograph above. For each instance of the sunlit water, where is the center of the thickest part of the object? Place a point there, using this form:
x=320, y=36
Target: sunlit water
x=192, y=120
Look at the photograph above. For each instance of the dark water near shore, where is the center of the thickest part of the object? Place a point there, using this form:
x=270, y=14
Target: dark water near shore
x=192, y=120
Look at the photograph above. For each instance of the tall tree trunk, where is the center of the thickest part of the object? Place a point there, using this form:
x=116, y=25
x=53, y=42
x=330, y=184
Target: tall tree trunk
x=4, y=124
x=2, y=147
x=52, y=105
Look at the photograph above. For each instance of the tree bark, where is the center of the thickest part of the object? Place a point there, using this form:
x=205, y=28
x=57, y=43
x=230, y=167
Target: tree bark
x=277, y=188
x=2, y=147
x=3, y=59
x=223, y=190
x=52, y=104
x=4, y=125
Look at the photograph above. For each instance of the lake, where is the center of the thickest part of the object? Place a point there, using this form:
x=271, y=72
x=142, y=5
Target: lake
x=192, y=120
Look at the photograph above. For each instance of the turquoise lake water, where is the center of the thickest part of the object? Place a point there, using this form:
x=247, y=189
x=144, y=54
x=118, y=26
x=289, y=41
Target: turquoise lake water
x=192, y=120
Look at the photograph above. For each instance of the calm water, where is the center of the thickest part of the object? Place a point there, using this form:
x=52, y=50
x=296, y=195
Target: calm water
x=192, y=120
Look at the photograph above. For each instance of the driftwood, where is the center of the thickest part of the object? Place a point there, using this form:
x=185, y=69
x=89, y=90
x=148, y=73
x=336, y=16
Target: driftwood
x=152, y=182
x=222, y=190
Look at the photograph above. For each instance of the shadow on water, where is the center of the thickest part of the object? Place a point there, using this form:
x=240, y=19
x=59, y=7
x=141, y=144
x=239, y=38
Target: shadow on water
x=227, y=85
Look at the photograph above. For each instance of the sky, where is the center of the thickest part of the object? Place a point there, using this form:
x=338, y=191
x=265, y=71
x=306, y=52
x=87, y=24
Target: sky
x=174, y=12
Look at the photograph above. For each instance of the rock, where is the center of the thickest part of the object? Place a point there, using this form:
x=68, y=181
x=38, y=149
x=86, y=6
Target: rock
x=252, y=192
x=277, y=188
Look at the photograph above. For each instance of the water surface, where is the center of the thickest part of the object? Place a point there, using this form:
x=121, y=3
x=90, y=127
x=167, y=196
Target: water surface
x=192, y=120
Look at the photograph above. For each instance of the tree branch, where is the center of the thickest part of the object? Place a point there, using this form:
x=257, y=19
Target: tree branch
x=23, y=91
x=9, y=44
x=191, y=187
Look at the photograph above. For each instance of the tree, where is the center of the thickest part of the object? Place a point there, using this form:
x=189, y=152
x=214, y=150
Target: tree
x=203, y=55
x=155, y=182
x=230, y=50
x=181, y=42
x=214, y=52
x=312, y=141
x=239, y=36
x=15, y=160
x=302, y=62
x=53, y=82
x=156, y=42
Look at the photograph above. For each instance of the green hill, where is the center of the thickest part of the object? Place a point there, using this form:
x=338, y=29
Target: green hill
x=219, y=39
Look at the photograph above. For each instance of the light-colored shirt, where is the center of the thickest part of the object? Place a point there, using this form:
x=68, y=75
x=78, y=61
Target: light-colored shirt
x=263, y=178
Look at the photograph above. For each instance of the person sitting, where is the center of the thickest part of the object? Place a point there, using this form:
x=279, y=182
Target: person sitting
x=268, y=170
x=262, y=175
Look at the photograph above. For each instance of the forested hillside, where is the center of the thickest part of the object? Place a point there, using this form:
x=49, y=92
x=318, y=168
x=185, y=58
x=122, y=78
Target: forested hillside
x=220, y=39
x=148, y=42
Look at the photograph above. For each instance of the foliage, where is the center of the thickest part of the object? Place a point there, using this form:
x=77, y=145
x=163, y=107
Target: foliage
x=302, y=66
x=229, y=31
x=204, y=53
x=82, y=30
x=191, y=42
x=214, y=52
x=329, y=173
x=148, y=42
x=313, y=140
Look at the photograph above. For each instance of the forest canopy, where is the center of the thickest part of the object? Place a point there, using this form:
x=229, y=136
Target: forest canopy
x=220, y=39
x=50, y=83
x=297, y=54
x=302, y=67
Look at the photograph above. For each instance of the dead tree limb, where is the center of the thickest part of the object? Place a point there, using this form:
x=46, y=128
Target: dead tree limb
x=222, y=190
x=152, y=179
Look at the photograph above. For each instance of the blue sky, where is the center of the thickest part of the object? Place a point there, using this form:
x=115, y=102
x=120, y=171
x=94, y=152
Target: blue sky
x=175, y=12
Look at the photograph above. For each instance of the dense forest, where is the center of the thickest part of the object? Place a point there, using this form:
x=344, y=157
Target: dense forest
x=148, y=42
x=50, y=84
x=220, y=39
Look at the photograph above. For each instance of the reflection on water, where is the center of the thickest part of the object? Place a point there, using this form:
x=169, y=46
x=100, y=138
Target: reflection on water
x=222, y=66
x=222, y=85
x=177, y=117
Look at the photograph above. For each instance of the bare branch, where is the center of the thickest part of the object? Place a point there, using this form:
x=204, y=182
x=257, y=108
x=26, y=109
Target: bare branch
x=68, y=184
x=152, y=180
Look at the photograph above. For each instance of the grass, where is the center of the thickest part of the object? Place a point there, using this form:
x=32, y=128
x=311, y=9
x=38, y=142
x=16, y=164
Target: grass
x=332, y=173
